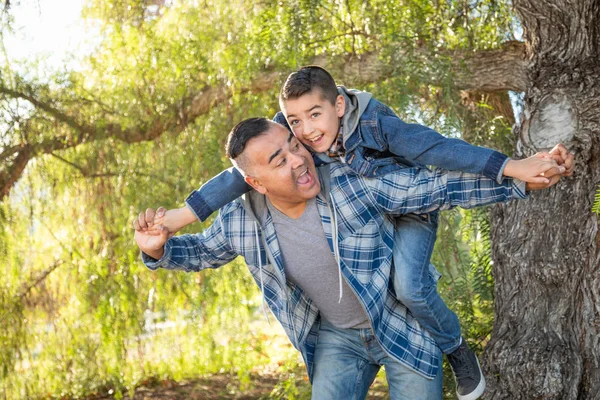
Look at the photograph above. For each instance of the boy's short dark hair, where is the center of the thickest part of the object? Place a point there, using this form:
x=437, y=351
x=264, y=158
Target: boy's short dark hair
x=242, y=133
x=305, y=80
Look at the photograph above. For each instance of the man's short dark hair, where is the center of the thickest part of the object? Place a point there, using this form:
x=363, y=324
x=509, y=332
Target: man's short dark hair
x=305, y=80
x=242, y=133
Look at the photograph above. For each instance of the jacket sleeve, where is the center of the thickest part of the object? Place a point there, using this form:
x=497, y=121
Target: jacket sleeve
x=208, y=249
x=419, y=143
x=422, y=190
x=217, y=192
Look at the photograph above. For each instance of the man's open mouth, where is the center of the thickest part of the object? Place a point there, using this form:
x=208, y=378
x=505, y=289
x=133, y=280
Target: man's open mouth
x=304, y=178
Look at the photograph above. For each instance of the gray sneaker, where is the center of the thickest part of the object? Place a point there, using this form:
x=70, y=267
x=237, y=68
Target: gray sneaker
x=470, y=383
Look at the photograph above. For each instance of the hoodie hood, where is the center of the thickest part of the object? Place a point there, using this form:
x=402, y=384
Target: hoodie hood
x=255, y=205
x=356, y=103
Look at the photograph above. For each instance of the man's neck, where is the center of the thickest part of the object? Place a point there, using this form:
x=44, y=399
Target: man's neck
x=291, y=210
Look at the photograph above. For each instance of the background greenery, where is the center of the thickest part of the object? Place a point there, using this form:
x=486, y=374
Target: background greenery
x=79, y=313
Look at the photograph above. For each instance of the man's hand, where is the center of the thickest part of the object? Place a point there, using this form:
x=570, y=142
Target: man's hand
x=150, y=238
x=552, y=175
x=534, y=169
x=563, y=157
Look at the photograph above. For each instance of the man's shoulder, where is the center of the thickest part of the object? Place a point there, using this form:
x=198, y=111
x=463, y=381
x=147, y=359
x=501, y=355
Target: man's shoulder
x=343, y=177
x=232, y=209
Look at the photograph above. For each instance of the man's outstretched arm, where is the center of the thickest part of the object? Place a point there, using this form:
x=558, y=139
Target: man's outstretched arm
x=414, y=190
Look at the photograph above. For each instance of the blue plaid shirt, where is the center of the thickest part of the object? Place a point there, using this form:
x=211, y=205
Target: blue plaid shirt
x=364, y=233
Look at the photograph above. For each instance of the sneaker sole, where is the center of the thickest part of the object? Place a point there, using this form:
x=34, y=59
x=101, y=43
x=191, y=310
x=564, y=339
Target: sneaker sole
x=475, y=394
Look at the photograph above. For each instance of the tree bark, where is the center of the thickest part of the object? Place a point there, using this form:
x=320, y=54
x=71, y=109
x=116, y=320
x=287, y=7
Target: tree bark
x=546, y=338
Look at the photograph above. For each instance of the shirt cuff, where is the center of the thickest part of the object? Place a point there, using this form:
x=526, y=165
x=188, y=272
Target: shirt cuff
x=519, y=189
x=199, y=207
x=154, y=264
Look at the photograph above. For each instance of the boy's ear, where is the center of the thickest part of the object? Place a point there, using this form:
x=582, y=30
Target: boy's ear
x=256, y=185
x=340, y=106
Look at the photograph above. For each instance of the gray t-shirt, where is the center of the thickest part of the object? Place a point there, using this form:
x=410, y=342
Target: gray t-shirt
x=309, y=263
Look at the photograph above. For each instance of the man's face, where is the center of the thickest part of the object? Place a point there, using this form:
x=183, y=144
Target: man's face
x=313, y=119
x=280, y=167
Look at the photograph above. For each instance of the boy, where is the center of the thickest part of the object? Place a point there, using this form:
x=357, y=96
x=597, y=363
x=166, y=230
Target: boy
x=335, y=122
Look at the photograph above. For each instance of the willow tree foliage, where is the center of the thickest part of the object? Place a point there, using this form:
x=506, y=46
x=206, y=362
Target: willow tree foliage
x=142, y=120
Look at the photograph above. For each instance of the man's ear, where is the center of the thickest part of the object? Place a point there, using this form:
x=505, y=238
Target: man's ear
x=340, y=106
x=256, y=185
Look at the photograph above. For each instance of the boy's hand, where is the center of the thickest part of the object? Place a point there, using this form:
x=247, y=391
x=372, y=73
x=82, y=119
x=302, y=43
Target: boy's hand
x=174, y=219
x=151, y=240
x=534, y=169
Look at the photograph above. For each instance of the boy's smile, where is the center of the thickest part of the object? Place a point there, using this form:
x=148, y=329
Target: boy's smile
x=313, y=119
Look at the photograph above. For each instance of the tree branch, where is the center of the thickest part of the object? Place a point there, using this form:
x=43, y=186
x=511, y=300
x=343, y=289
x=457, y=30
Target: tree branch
x=41, y=277
x=490, y=70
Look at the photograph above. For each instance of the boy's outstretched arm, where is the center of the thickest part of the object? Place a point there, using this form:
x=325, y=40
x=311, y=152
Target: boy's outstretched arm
x=536, y=168
x=418, y=143
x=172, y=220
x=201, y=203
x=217, y=192
x=209, y=249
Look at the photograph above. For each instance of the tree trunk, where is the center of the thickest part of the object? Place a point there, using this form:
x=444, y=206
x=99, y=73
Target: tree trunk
x=546, y=338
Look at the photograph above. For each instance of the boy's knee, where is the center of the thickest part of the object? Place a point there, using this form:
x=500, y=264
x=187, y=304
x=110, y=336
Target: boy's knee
x=410, y=294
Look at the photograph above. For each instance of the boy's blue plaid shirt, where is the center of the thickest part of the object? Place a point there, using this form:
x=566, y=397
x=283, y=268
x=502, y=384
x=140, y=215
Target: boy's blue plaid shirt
x=365, y=240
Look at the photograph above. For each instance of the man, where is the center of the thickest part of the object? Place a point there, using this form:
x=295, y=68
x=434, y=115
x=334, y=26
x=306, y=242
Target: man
x=302, y=233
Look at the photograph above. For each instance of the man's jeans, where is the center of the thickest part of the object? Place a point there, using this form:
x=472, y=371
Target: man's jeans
x=347, y=362
x=415, y=279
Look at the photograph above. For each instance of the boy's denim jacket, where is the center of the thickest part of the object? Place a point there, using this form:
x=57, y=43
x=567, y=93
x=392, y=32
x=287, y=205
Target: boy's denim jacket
x=376, y=142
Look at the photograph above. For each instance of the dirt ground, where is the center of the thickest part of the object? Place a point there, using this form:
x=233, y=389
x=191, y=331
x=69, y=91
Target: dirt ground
x=217, y=387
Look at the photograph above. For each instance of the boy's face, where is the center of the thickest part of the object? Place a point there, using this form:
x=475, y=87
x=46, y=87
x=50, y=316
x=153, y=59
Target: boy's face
x=313, y=119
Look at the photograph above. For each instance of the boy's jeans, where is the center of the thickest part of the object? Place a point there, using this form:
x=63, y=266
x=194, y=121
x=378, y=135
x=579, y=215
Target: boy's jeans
x=415, y=279
x=347, y=362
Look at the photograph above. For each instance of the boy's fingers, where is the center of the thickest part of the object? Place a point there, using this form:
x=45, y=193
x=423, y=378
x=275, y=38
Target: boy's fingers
x=136, y=225
x=543, y=154
x=161, y=212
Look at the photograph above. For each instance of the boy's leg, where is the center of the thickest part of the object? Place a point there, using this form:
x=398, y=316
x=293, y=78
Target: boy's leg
x=342, y=367
x=416, y=287
x=415, y=284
